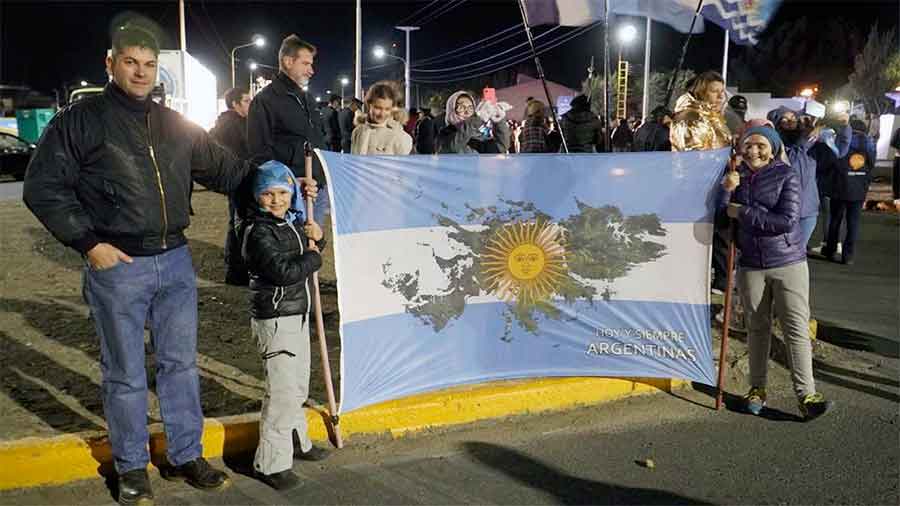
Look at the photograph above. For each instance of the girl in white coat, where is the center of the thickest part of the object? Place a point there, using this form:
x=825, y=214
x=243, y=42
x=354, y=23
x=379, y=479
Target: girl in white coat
x=379, y=134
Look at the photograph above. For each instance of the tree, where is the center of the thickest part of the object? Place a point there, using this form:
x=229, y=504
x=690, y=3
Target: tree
x=872, y=70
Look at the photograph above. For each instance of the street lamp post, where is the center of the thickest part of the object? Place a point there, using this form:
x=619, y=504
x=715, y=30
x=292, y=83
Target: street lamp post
x=344, y=82
x=407, y=96
x=380, y=53
x=258, y=41
x=625, y=35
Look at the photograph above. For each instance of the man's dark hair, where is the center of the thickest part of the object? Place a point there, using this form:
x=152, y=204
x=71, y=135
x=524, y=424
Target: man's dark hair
x=234, y=95
x=133, y=36
x=334, y=98
x=291, y=44
x=580, y=103
x=413, y=111
x=657, y=115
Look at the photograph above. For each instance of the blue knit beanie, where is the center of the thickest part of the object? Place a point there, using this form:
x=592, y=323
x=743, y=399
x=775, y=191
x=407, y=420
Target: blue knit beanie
x=769, y=133
x=274, y=174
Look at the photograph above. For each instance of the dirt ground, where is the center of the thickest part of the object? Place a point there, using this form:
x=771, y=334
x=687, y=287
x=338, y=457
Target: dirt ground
x=49, y=370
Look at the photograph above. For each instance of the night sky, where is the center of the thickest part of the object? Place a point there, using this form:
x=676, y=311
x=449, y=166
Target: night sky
x=47, y=43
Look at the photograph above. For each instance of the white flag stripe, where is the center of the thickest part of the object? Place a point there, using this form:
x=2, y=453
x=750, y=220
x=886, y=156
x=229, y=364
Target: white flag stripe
x=674, y=278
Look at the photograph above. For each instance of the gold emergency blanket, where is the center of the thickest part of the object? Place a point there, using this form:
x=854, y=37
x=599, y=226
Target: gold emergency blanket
x=697, y=126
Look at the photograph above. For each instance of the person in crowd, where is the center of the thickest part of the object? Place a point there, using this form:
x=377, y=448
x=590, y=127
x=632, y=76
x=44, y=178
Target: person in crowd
x=282, y=118
x=736, y=114
x=426, y=131
x=378, y=133
x=895, y=174
x=653, y=135
x=282, y=253
x=410, y=126
x=554, y=137
x=698, y=121
x=472, y=127
x=331, y=123
x=848, y=193
x=346, y=120
x=622, y=137
x=111, y=178
x=230, y=131
x=826, y=152
x=797, y=133
x=533, y=136
x=763, y=196
x=581, y=127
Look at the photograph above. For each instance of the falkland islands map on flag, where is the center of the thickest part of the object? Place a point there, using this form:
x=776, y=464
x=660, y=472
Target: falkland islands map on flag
x=462, y=269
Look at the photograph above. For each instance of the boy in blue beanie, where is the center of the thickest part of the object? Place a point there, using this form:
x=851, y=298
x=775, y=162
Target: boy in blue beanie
x=280, y=257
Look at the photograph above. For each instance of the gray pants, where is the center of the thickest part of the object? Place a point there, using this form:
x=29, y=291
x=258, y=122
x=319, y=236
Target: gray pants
x=284, y=345
x=786, y=289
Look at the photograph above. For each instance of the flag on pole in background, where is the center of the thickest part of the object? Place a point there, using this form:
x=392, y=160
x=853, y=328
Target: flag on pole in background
x=744, y=19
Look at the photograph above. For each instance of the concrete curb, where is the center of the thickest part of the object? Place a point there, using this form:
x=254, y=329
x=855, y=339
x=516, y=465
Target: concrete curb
x=56, y=460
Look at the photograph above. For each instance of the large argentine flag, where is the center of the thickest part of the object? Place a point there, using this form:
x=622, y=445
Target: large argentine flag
x=744, y=19
x=463, y=269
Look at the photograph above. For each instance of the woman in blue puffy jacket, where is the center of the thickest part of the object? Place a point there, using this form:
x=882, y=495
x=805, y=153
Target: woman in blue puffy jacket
x=763, y=196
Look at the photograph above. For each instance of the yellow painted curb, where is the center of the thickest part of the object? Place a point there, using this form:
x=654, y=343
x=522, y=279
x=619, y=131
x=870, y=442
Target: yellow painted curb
x=31, y=462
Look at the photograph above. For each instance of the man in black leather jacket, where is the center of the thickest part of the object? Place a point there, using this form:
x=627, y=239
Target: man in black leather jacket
x=282, y=119
x=111, y=178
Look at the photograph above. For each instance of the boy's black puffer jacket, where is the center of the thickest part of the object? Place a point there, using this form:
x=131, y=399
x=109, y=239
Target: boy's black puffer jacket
x=280, y=265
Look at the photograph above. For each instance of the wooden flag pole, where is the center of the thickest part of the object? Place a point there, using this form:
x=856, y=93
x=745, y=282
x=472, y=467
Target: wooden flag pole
x=671, y=87
x=540, y=71
x=320, y=324
x=729, y=287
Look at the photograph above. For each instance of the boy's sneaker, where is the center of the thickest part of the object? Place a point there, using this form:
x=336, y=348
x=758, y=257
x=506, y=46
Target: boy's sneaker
x=755, y=400
x=197, y=473
x=813, y=406
x=313, y=455
x=285, y=480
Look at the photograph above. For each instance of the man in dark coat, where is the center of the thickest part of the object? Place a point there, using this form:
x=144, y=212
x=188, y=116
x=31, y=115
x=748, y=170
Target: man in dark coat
x=230, y=131
x=331, y=124
x=282, y=119
x=345, y=120
x=653, y=135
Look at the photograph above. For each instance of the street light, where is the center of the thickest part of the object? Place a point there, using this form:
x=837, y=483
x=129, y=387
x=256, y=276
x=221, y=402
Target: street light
x=258, y=41
x=379, y=52
x=626, y=35
x=84, y=83
x=344, y=82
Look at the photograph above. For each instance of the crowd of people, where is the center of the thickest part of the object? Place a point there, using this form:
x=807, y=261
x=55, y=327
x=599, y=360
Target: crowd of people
x=112, y=178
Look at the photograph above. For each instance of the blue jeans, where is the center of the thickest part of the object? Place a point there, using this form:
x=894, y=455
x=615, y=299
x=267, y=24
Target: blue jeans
x=808, y=225
x=160, y=290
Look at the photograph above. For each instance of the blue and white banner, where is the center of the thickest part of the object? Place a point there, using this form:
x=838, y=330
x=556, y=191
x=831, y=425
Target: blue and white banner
x=462, y=269
x=744, y=19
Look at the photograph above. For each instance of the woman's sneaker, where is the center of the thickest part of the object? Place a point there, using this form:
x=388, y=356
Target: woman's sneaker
x=813, y=406
x=755, y=400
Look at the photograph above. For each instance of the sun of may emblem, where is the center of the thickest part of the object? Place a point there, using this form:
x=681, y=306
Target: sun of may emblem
x=525, y=262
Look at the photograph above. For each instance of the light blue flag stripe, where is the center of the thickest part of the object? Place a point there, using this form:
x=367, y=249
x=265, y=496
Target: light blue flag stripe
x=378, y=193
x=399, y=355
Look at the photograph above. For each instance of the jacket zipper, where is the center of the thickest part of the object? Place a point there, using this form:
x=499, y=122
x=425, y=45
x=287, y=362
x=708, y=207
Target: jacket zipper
x=162, y=193
x=302, y=249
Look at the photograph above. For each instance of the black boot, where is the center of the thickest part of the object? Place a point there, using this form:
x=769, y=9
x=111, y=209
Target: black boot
x=285, y=480
x=134, y=488
x=314, y=454
x=198, y=473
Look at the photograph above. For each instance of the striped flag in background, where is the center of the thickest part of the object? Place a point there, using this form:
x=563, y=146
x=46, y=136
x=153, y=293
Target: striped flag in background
x=744, y=19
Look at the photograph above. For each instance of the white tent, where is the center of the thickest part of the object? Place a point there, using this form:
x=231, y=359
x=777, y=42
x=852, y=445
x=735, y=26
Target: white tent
x=517, y=95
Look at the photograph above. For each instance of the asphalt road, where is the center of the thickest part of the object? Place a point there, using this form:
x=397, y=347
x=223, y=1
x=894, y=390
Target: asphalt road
x=596, y=456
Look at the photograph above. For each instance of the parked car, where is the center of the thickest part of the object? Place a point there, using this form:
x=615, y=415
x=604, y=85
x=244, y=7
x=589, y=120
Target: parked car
x=15, y=153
